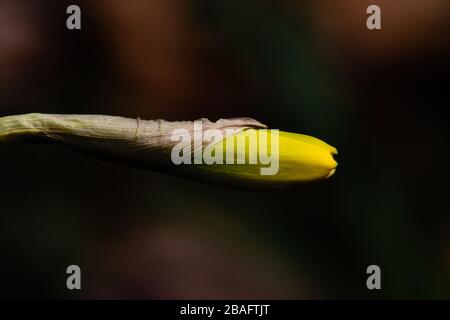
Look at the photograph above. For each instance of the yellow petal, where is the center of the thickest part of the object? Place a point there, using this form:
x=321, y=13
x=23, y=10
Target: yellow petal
x=302, y=158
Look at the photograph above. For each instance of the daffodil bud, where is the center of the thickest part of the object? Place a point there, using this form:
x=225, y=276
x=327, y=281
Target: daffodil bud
x=274, y=157
x=238, y=151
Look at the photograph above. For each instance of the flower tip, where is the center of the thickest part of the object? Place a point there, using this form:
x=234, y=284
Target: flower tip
x=330, y=173
x=335, y=164
x=330, y=163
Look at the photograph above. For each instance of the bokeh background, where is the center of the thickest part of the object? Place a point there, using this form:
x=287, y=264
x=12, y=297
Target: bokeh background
x=305, y=66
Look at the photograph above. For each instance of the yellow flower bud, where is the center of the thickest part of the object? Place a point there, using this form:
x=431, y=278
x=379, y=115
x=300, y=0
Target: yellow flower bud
x=300, y=158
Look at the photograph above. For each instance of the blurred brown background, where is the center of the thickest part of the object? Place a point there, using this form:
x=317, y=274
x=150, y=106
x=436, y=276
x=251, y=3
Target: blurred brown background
x=310, y=67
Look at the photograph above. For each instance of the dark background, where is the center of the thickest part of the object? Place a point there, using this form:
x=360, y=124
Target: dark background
x=311, y=67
